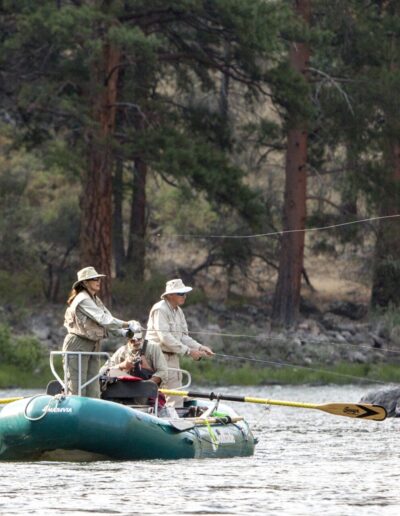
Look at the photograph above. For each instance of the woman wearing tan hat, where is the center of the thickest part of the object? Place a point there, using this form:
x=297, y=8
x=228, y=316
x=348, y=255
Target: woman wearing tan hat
x=87, y=321
x=167, y=327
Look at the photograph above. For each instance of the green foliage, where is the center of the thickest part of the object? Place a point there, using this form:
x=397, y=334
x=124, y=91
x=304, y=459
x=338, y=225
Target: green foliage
x=23, y=288
x=170, y=114
x=292, y=92
x=4, y=342
x=27, y=353
x=193, y=161
x=39, y=225
x=23, y=352
x=139, y=297
x=15, y=174
x=181, y=210
x=173, y=52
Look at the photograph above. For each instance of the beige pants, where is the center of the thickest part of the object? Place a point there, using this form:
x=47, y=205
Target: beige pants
x=89, y=365
x=174, y=380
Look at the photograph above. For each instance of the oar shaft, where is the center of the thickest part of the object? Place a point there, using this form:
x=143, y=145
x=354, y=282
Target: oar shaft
x=214, y=420
x=243, y=399
x=9, y=400
x=283, y=403
x=208, y=395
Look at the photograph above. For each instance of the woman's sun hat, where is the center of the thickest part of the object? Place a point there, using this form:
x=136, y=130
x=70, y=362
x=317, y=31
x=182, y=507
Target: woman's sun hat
x=86, y=274
x=175, y=286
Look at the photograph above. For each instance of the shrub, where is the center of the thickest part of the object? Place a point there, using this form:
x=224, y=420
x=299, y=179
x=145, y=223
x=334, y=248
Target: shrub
x=5, y=343
x=136, y=297
x=28, y=353
x=24, y=352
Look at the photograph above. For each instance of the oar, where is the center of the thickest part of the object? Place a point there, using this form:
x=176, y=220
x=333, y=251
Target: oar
x=360, y=411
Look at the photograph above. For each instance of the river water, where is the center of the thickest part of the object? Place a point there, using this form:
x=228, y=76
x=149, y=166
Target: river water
x=307, y=462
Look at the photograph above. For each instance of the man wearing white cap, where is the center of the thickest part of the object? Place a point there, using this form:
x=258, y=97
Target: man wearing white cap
x=168, y=328
x=138, y=358
x=87, y=321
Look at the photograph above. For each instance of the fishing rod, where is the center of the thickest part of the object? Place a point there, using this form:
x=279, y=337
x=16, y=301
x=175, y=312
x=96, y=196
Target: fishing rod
x=295, y=366
x=277, y=340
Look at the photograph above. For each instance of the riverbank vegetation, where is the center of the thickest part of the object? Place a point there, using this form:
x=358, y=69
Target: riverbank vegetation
x=23, y=361
x=213, y=374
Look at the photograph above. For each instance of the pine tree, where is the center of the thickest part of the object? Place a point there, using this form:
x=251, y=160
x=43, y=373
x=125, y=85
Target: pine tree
x=287, y=293
x=72, y=70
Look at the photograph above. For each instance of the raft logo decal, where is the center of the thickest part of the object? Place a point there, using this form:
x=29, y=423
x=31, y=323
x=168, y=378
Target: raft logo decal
x=351, y=410
x=225, y=436
x=58, y=410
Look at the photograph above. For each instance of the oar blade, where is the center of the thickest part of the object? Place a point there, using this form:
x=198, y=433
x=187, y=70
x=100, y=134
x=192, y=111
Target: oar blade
x=359, y=411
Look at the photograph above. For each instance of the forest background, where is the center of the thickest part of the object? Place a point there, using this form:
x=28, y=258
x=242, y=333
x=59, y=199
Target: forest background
x=207, y=140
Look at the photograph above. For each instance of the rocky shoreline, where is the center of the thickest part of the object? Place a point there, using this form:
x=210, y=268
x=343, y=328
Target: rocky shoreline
x=343, y=333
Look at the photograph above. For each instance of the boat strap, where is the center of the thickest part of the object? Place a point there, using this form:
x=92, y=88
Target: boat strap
x=180, y=425
x=186, y=424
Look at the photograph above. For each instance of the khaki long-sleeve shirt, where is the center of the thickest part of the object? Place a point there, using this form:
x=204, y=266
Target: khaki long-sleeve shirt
x=94, y=308
x=167, y=327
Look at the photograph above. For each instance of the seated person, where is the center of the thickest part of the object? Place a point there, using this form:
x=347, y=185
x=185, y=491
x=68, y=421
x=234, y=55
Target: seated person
x=138, y=358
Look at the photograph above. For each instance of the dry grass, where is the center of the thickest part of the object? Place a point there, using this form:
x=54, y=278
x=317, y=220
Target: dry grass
x=335, y=279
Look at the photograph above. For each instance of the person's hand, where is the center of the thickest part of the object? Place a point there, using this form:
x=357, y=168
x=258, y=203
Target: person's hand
x=207, y=351
x=126, y=365
x=196, y=354
x=134, y=326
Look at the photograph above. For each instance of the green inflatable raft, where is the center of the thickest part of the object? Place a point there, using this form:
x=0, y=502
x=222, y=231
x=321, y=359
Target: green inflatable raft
x=61, y=427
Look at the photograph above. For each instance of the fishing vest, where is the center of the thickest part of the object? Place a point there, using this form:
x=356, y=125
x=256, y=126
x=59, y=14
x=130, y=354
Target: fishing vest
x=80, y=324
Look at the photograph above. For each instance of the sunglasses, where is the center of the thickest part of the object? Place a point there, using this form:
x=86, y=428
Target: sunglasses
x=181, y=294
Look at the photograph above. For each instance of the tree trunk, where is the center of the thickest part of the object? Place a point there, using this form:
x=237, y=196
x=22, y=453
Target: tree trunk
x=96, y=218
x=118, y=233
x=386, y=274
x=137, y=250
x=287, y=292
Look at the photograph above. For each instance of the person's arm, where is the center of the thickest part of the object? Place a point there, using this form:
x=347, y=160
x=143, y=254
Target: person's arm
x=159, y=364
x=114, y=360
x=197, y=350
x=102, y=316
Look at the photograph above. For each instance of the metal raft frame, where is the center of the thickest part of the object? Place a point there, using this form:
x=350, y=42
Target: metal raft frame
x=63, y=382
x=78, y=354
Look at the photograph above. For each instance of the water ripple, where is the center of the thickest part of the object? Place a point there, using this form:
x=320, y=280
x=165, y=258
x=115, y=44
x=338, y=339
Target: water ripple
x=306, y=463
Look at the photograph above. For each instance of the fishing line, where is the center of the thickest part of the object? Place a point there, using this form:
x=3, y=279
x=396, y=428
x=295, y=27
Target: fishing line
x=306, y=341
x=276, y=340
x=283, y=232
x=286, y=364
